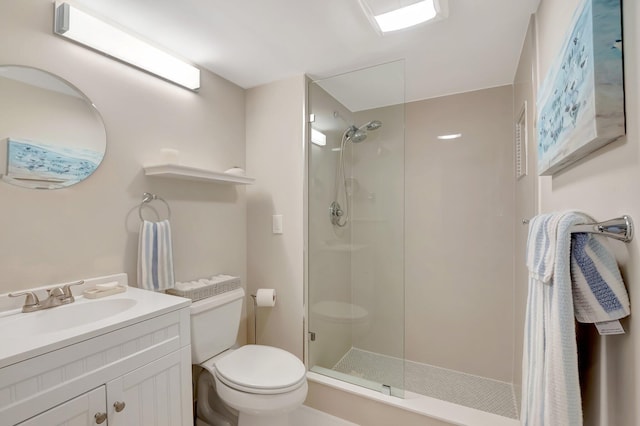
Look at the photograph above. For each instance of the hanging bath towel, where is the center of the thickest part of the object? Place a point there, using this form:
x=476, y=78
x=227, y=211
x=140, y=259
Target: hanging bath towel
x=599, y=294
x=550, y=384
x=155, y=258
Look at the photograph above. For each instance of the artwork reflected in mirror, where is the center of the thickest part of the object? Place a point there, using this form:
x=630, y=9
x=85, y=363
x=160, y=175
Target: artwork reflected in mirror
x=51, y=135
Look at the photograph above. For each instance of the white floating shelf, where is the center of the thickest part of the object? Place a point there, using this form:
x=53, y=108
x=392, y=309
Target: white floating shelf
x=176, y=171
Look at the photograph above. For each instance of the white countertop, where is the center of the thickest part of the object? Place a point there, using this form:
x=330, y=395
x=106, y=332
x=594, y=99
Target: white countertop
x=25, y=335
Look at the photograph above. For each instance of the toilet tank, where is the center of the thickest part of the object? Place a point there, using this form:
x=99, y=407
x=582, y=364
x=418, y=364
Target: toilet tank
x=214, y=324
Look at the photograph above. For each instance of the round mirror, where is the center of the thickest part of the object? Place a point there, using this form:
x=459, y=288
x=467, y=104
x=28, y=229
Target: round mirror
x=51, y=135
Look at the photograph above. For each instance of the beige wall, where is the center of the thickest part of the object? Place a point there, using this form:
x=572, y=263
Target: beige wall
x=275, y=157
x=524, y=86
x=459, y=239
x=605, y=185
x=91, y=228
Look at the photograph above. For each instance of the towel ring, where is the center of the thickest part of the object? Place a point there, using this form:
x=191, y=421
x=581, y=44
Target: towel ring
x=148, y=197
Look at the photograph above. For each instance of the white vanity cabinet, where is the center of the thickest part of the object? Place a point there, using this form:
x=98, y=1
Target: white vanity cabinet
x=80, y=411
x=138, y=374
x=151, y=395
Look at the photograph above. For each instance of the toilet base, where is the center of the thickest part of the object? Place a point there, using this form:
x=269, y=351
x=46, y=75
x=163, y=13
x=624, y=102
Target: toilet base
x=261, y=406
x=211, y=411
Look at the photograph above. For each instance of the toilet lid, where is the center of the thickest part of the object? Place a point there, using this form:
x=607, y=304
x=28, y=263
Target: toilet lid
x=261, y=369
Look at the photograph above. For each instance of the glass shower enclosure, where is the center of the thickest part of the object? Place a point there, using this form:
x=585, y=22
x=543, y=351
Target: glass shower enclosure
x=355, y=227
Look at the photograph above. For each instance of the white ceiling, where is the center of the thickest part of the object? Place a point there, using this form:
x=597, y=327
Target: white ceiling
x=253, y=42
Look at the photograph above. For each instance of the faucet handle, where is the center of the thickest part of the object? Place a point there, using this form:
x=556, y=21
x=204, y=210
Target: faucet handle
x=31, y=303
x=55, y=292
x=66, y=289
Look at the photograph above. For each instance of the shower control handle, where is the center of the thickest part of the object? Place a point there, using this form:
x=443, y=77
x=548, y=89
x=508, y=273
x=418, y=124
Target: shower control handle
x=336, y=212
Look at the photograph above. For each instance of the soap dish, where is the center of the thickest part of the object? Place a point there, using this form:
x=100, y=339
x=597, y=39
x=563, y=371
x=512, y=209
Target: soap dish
x=96, y=293
x=107, y=286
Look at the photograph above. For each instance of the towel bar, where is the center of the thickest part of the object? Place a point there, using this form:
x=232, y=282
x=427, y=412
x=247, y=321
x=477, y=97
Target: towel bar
x=620, y=228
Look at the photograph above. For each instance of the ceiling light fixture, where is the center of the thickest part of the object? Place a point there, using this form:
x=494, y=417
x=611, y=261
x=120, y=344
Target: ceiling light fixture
x=450, y=137
x=74, y=24
x=318, y=138
x=388, y=19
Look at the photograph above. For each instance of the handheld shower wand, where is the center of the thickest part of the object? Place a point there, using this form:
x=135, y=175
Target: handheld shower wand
x=338, y=216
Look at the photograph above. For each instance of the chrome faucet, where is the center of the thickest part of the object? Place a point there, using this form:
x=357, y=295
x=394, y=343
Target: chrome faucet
x=56, y=296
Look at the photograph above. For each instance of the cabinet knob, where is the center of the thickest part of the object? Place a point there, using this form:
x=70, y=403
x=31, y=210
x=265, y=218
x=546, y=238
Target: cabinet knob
x=119, y=406
x=100, y=418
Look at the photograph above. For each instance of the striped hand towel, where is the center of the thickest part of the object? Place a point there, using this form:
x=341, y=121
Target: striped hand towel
x=599, y=293
x=155, y=258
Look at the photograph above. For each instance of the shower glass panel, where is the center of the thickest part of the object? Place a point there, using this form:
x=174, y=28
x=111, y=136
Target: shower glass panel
x=356, y=227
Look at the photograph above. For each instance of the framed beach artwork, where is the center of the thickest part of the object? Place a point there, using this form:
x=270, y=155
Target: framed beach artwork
x=580, y=104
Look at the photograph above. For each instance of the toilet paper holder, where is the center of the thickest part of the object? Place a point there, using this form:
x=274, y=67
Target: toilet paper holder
x=255, y=319
x=255, y=313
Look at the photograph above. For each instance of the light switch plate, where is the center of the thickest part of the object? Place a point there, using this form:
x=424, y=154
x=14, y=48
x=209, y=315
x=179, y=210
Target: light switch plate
x=277, y=223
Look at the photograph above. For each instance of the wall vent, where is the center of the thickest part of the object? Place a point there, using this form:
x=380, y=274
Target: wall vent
x=521, y=143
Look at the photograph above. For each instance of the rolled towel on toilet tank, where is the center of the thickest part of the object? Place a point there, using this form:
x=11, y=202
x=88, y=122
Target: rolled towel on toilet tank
x=206, y=287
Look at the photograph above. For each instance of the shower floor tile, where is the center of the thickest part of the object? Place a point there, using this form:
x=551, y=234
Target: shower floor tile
x=471, y=391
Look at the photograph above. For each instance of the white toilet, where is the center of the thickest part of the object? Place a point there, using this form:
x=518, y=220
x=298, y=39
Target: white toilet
x=258, y=384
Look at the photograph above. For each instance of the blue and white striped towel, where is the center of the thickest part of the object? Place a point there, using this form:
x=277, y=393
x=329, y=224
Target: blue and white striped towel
x=571, y=276
x=541, y=246
x=550, y=384
x=155, y=257
x=599, y=293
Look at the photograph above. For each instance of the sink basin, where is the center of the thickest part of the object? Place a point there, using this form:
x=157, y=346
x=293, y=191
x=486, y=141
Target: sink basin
x=62, y=318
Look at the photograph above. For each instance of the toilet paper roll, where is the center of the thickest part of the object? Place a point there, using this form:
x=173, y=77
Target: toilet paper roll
x=266, y=297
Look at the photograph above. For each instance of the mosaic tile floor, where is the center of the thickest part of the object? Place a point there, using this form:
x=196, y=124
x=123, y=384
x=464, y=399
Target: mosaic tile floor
x=460, y=388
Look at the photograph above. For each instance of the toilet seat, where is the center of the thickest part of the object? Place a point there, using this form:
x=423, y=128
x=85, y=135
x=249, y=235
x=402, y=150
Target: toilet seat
x=261, y=369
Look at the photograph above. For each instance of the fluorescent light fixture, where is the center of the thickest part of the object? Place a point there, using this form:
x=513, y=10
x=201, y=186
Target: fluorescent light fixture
x=450, y=137
x=85, y=29
x=415, y=13
x=318, y=137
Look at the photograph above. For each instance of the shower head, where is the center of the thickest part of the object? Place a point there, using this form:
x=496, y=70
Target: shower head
x=359, y=134
x=372, y=125
x=356, y=135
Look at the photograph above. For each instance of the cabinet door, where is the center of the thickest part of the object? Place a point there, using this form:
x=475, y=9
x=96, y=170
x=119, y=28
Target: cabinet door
x=80, y=411
x=157, y=394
